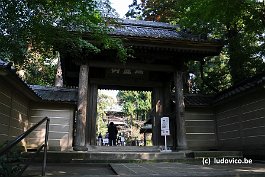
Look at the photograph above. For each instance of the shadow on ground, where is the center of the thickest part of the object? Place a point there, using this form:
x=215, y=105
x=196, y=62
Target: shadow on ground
x=70, y=170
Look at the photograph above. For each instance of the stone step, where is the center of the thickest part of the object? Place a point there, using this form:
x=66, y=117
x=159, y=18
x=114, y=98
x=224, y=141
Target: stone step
x=119, y=156
x=123, y=149
x=213, y=154
x=110, y=157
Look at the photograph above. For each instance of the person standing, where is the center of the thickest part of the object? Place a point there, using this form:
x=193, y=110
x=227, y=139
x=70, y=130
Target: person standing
x=112, y=129
x=122, y=141
x=99, y=139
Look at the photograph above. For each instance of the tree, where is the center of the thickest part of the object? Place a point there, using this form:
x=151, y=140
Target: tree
x=240, y=24
x=209, y=76
x=151, y=10
x=38, y=70
x=32, y=27
x=135, y=104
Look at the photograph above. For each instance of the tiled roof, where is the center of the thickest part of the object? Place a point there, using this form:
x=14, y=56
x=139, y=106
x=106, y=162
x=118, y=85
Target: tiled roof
x=57, y=94
x=248, y=84
x=191, y=100
x=149, y=29
x=195, y=100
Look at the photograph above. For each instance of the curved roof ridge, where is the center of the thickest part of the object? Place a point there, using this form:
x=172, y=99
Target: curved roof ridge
x=143, y=23
x=155, y=30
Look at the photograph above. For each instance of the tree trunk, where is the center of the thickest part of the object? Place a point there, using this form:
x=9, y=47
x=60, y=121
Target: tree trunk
x=237, y=56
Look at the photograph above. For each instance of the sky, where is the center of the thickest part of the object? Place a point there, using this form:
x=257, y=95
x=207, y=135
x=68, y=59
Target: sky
x=121, y=6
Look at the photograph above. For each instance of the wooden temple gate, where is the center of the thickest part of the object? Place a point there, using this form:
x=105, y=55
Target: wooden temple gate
x=158, y=65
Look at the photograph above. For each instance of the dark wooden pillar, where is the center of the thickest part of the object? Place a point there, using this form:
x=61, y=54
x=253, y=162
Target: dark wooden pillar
x=92, y=114
x=80, y=141
x=161, y=106
x=180, y=134
x=168, y=112
x=154, y=118
x=158, y=105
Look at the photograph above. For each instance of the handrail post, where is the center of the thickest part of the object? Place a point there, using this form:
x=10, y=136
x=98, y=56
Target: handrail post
x=45, y=148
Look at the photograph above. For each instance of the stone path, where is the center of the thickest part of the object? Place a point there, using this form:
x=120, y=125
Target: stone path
x=150, y=169
x=184, y=170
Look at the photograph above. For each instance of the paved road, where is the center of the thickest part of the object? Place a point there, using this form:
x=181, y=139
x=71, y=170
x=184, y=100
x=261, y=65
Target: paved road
x=150, y=169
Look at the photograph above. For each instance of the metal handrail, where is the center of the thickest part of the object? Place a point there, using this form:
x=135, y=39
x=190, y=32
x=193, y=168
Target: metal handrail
x=19, y=138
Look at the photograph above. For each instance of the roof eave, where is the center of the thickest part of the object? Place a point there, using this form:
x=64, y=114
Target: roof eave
x=59, y=101
x=199, y=46
x=12, y=78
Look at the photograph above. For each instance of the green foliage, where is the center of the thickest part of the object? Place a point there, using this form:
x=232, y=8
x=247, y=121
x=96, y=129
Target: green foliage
x=39, y=27
x=38, y=69
x=240, y=25
x=216, y=76
x=39, y=23
x=135, y=103
x=10, y=163
x=152, y=10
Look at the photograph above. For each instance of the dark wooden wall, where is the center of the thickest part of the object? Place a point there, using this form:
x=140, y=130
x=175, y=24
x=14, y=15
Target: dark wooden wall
x=241, y=123
x=200, y=129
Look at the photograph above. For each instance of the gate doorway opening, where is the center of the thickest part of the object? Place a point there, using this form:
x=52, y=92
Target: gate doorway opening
x=131, y=113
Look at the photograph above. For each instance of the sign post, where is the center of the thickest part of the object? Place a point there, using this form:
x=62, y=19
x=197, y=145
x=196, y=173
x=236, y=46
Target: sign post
x=165, y=131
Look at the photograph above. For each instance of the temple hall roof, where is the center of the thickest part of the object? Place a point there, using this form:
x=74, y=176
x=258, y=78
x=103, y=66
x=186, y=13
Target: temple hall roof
x=150, y=29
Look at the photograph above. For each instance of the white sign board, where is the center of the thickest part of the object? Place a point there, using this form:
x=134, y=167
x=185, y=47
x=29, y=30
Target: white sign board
x=165, y=132
x=164, y=123
x=105, y=140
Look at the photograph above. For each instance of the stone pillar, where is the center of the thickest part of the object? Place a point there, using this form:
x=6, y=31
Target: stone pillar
x=180, y=109
x=80, y=142
x=92, y=115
